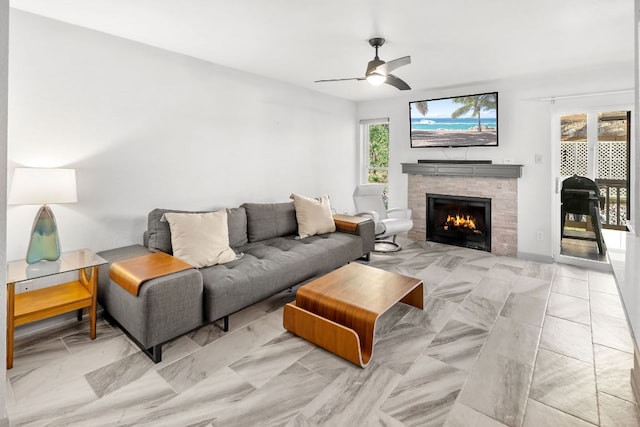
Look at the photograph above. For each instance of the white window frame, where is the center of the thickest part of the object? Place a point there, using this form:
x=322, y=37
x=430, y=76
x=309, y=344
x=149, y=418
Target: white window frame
x=364, y=148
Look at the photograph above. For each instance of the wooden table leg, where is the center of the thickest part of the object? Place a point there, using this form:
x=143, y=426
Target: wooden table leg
x=11, y=291
x=93, y=310
x=323, y=332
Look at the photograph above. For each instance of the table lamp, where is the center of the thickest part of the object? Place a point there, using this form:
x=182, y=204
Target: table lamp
x=35, y=186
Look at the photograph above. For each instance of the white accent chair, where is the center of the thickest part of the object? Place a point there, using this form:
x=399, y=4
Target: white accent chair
x=388, y=222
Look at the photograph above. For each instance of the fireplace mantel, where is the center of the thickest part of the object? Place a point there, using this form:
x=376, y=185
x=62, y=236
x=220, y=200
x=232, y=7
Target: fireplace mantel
x=463, y=169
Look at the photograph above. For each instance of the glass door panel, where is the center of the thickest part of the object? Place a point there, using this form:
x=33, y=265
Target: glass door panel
x=574, y=148
x=613, y=167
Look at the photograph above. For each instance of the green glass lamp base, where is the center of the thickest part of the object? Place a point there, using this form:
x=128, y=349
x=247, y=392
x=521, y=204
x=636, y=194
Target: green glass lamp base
x=44, y=244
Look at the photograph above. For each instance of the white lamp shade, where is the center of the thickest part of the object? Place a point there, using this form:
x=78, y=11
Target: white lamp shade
x=37, y=186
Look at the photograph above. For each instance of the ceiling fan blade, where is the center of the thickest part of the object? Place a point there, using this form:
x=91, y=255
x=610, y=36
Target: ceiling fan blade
x=396, y=82
x=340, y=80
x=388, y=67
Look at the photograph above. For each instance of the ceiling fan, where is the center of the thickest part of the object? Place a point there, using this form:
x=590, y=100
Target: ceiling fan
x=379, y=71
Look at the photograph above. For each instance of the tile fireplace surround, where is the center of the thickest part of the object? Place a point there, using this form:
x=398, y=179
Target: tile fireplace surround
x=465, y=180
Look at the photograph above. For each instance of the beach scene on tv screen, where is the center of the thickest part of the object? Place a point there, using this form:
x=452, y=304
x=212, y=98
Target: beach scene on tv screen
x=455, y=122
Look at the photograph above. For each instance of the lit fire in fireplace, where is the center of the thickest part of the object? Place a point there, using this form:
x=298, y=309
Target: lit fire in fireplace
x=462, y=222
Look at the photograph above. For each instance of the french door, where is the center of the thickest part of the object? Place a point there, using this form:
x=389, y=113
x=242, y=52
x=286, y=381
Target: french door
x=597, y=145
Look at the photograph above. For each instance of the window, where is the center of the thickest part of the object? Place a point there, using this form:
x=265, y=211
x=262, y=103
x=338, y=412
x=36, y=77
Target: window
x=375, y=165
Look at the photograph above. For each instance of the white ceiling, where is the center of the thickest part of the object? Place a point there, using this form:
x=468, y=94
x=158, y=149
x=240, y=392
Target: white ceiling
x=451, y=42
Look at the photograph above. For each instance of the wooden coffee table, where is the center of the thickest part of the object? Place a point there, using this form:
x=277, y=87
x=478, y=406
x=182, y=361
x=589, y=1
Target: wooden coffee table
x=339, y=310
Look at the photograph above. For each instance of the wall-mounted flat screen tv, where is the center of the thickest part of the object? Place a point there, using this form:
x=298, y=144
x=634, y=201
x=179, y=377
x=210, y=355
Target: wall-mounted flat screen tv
x=461, y=121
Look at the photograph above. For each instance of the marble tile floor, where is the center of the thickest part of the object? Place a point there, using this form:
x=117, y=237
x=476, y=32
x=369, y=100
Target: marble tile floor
x=501, y=342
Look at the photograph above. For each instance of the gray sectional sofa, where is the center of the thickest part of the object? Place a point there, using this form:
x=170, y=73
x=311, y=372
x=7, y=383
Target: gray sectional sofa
x=271, y=258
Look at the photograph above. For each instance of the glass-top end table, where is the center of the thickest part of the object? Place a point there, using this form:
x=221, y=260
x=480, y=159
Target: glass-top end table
x=30, y=306
x=19, y=271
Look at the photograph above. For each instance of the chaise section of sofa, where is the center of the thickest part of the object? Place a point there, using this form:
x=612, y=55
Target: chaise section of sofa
x=166, y=307
x=270, y=258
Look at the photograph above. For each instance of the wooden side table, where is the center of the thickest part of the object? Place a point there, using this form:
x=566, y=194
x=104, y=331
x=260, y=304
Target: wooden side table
x=40, y=304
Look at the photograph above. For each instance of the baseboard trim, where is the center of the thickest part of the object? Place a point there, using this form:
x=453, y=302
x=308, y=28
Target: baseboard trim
x=635, y=372
x=547, y=259
x=585, y=263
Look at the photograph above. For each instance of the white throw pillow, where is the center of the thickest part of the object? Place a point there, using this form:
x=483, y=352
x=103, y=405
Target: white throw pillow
x=200, y=239
x=313, y=215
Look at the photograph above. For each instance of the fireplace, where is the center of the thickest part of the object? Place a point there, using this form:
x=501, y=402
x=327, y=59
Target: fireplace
x=495, y=181
x=459, y=220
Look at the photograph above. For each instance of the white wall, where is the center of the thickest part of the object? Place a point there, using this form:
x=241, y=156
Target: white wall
x=635, y=149
x=4, y=68
x=629, y=283
x=148, y=128
x=524, y=131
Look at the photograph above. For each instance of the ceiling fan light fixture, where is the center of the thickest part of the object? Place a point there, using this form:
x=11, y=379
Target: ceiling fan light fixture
x=376, y=79
x=379, y=71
